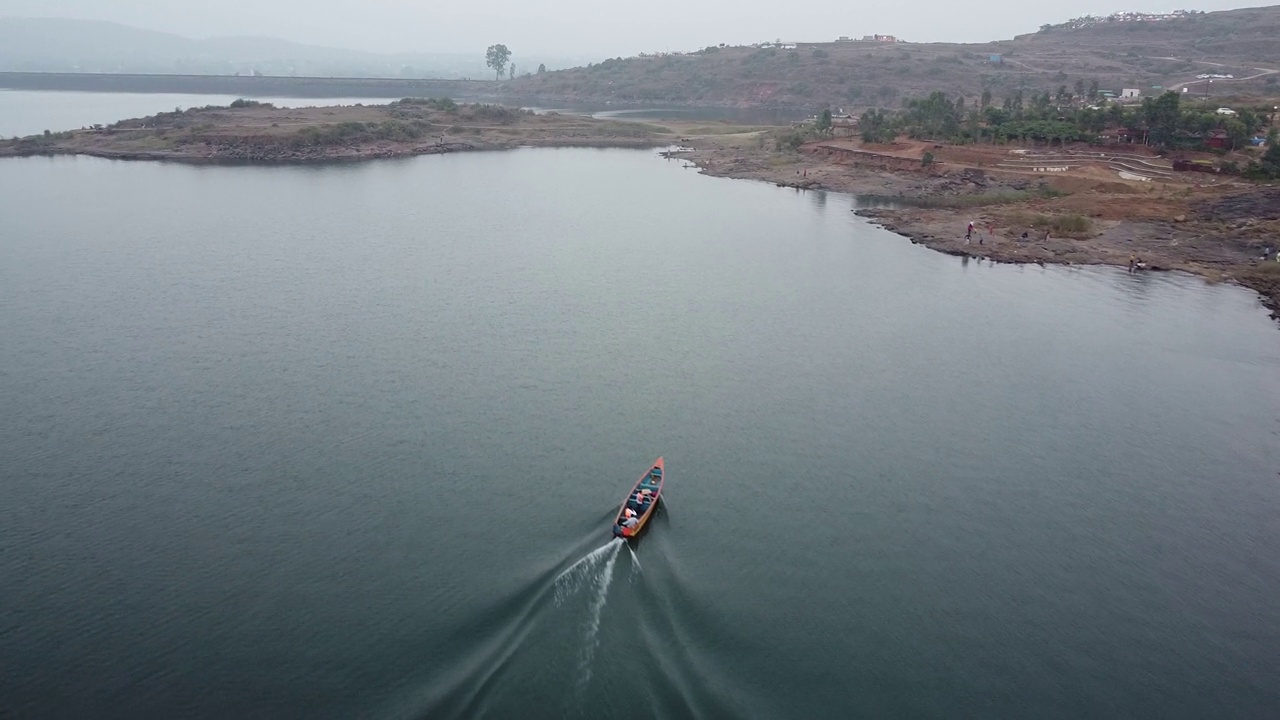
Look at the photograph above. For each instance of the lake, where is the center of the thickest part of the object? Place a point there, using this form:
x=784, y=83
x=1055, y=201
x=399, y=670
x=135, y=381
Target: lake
x=345, y=441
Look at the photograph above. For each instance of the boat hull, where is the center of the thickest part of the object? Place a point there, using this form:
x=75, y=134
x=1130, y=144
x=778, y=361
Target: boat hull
x=649, y=491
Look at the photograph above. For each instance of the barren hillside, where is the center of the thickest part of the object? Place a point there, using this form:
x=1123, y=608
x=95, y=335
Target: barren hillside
x=1145, y=55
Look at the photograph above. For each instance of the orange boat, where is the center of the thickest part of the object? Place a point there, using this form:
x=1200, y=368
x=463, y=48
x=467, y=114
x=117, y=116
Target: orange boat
x=640, y=503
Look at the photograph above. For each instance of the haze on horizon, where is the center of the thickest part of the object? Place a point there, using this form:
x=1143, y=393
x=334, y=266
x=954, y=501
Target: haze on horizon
x=576, y=27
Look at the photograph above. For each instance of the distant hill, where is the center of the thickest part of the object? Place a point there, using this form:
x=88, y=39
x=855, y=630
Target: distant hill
x=1147, y=55
x=60, y=45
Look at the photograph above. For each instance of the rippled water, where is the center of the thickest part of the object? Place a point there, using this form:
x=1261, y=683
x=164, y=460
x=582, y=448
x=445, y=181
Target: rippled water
x=346, y=441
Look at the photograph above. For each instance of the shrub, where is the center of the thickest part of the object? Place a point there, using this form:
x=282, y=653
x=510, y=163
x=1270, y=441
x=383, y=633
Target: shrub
x=444, y=104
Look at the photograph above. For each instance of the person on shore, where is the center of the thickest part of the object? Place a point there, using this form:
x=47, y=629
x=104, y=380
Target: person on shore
x=1133, y=260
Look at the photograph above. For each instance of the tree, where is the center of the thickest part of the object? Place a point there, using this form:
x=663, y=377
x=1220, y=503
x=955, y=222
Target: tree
x=1093, y=91
x=1162, y=116
x=1079, y=87
x=511, y=72
x=542, y=67
x=1237, y=132
x=496, y=57
x=824, y=121
x=986, y=99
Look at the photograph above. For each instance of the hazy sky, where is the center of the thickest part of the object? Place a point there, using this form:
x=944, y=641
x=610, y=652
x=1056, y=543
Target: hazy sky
x=578, y=27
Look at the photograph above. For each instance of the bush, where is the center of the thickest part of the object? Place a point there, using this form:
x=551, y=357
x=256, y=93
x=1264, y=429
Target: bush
x=927, y=160
x=245, y=103
x=444, y=104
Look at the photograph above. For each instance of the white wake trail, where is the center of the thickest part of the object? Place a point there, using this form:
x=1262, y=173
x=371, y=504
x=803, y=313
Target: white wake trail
x=571, y=579
x=595, y=571
x=592, y=640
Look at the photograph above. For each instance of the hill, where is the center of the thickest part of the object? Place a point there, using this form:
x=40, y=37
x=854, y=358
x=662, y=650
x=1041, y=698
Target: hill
x=1168, y=52
x=87, y=46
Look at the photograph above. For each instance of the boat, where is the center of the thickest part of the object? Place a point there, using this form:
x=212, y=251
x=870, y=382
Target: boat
x=641, y=502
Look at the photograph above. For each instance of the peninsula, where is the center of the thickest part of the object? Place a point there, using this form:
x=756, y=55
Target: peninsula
x=253, y=131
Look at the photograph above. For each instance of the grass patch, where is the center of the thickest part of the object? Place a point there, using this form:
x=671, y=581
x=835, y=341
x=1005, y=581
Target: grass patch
x=1067, y=225
x=723, y=129
x=976, y=200
x=959, y=202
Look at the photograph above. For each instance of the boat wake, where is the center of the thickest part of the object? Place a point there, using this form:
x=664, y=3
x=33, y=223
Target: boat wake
x=595, y=573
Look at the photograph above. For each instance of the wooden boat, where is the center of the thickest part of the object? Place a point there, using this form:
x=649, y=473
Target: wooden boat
x=640, y=502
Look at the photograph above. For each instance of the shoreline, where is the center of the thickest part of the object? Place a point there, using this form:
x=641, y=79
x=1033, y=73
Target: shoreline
x=249, y=131
x=344, y=156
x=1222, y=232
x=1218, y=232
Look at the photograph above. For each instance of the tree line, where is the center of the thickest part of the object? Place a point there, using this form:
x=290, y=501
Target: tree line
x=1163, y=121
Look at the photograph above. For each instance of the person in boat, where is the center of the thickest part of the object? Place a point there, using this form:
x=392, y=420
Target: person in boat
x=631, y=524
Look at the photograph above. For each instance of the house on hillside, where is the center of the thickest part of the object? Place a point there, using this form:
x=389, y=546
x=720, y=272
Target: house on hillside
x=846, y=125
x=1130, y=94
x=879, y=38
x=996, y=59
x=1217, y=139
x=1118, y=136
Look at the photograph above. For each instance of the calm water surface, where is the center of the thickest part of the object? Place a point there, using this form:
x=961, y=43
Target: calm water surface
x=344, y=441
x=27, y=112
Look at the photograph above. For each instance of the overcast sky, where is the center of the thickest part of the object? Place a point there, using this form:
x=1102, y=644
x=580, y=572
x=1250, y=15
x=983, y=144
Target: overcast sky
x=578, y=27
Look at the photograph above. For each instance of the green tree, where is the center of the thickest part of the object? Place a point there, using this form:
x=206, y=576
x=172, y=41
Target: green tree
x=824, y=121
x=986, y=99
x=1272, y=156
x=1162, y=117
x=1093, y=91
x=496, y=57
x=542, y=67
x=927, y=160
x=1237, y=132
x=1079, y=87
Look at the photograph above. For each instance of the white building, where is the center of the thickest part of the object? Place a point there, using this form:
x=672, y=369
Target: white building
x=1129, y=93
